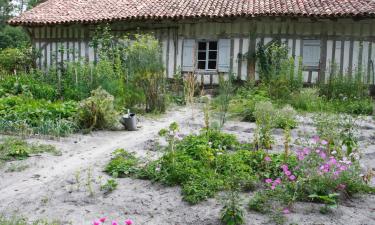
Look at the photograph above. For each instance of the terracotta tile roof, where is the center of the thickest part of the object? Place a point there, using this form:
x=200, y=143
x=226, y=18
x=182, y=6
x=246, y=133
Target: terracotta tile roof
x=92, y=11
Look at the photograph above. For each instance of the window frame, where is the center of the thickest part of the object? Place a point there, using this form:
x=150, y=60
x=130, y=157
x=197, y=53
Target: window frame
x=306, y=65
x=207, y=52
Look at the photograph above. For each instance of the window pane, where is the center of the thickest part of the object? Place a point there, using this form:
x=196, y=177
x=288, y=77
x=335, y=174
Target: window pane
x=202, y=65
x=212, y=55
x=213, y=45
x=212, y=65
x=201, y=55
x=202, y=45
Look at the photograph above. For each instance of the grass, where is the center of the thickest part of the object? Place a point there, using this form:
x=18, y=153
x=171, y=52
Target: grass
x=18, y=149
x=22, y=221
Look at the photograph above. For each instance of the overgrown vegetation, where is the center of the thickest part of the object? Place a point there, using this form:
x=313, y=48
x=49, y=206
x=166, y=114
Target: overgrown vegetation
x=18, y=149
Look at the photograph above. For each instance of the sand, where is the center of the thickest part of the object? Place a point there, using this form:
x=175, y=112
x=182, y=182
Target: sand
x=48, y=188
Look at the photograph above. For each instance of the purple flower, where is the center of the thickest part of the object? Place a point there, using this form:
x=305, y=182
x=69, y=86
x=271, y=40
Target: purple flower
x=267, y=159
x=268, y=181
x=301, y=157
x=324, y=142
x=286, y=211
x=292, y=177
x=343, y=168
x=273, y=187
x=277, y=181
x=315, y=139
x=306, y=151
x=288, y=173
x=284, y=167
x=322, y=155
x=332, y=160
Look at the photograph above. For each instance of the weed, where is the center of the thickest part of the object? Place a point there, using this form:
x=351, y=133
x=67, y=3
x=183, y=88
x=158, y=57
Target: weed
x=232, y=213
x=109, y=186
x=122, y=164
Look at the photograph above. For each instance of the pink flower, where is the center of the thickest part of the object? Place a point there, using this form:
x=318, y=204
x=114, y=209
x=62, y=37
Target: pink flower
x=128, y=222
x=284, y=167
x=332, y=160
x=114, y=223
x=301, y=157
x=96, y=223
x=322, y=155
x=324, y=142
x=292, y=177
x=343, y=168
x=306, y=151
x=288, y=173
x=103, y=219
x=273, y=187
x=277, y=181
x=315, y=139
x=267, y=159
x=268, y=181
x=286, y=211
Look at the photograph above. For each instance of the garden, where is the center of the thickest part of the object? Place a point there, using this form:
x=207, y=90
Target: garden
x=249, y=153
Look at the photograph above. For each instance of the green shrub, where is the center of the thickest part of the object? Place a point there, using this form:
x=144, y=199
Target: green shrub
x=243, y=104
x=286, y=117
x=265, y=115
x=232, y=213
x=109, y=186
x=14, y=59
x=97, y=111
x=27, y=116
x=122, y=164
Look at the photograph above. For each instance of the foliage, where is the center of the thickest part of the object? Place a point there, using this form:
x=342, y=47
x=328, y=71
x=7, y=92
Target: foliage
x=286, y=118
x=97, y=111
x=27, y=84
x=243, y=103
x=13, y=37
x=25, y=115
x=122, y=164
x=109, y=186
x=232, y=213
x=22, y=221
x=318, y=175
x=17, y=149
x=17, y=59
x=264, y=114
x=146, y=70
x=226, y=89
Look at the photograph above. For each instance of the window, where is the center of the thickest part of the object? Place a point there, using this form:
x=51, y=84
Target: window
x=207, y=55
x=311, y=53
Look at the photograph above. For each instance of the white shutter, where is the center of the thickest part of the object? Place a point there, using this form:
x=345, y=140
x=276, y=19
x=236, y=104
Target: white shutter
x=188, y=55
x=224, y=55
x=311, y=53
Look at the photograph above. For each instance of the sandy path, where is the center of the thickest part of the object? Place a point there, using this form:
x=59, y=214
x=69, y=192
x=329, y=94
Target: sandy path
x=48, y=189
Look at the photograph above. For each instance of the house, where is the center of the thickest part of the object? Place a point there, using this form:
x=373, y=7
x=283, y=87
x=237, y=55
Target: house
x=212, y=36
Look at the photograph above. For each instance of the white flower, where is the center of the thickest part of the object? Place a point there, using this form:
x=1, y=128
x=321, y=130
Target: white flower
x=333, y=153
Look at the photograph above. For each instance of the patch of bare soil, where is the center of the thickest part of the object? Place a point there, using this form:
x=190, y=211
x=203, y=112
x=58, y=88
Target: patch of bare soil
x=58, y=187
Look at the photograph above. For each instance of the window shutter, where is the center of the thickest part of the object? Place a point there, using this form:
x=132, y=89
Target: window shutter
x=224, y=55
x=188, y=55
x=311, y=53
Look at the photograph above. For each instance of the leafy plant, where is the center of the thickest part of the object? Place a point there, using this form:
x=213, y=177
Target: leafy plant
x=122, y=164
x=226, y=89
x=286, y=118
x=97, y=111
x=232, y=213
x=109, y=186
x=264, y=114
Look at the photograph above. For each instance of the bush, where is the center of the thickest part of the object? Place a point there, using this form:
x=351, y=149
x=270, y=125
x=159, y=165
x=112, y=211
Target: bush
x=232, y=213
x=243, y=104
x=25, y=115
x=14, y=59
x=202, y=165
x=286, y=118
x=109, y=187
x=265, y=115
x=97, y=111
x=122, y=164
x=27, y=84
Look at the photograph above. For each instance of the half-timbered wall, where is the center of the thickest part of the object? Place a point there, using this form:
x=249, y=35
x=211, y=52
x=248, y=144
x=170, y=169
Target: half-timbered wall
x=346, y=43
